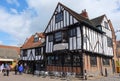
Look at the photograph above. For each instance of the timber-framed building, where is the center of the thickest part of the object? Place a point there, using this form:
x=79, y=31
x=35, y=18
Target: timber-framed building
x=32, y=53
x=75, y=43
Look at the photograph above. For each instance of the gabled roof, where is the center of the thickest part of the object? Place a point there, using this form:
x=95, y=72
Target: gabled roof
x=97, y=21
x=11, y=52
x=30, y=42
x=78, y=17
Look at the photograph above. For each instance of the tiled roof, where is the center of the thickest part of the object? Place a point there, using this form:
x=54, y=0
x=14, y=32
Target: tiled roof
x=9, y=52
x=77, y=16
x=80, y=18
x=29, y=43
x=97, y=21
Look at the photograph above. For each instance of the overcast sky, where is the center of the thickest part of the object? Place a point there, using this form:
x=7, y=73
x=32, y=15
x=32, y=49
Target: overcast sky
x=20, y=19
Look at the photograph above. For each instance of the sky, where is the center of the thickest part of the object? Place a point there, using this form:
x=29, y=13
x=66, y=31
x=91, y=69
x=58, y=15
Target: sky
x=19, y=19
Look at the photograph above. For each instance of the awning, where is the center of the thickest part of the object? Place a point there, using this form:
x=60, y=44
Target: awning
x=2, y=59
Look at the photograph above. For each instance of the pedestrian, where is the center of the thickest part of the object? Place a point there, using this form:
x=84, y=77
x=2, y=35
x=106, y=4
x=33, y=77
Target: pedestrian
x=33, y=69
x=2, y=68
x=7, y=68
x=20, y=69
x=16, y=69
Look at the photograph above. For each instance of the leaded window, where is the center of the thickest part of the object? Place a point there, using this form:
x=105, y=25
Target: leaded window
x=67, y=60
x=37, y=51
x=109, y=42
x=50, y=60
x=59, y=17
x=106, y=61
x=50, y=38
x=106, y=25
x=73, y=32
x=24, y=52
x=93, y=60
x=58, y=36
x=76, y=60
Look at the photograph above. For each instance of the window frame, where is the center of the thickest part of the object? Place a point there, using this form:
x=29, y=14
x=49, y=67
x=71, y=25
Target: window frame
x=25, y=53
x=109, y=42
x=106, y=25
x=106, y=61
x=76, y=60
x=37, y=51
x=93, y=61
x=58, y=38
x=50, y=38
x=59, y=17
x=72, y=32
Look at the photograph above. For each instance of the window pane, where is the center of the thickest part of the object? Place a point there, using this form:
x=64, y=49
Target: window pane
x=93, y=61
x=59, y=17
x=24, y=52
x=36, y=39
x=106, y=61
x=106, y=25
x=73, y=32
x=50, y=38
x=37, y=51
x=58, y=36
x=109, y=42
x=76, y=60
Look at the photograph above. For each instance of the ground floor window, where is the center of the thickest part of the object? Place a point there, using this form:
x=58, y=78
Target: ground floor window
x=76, y=60
x=106, y=61
x=50, y=60
x=93, y=60
x=67, y=60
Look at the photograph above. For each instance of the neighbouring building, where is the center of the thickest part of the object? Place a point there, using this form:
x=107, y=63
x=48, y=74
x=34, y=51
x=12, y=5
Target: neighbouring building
x=75, y=43
x=118, y=52
x=9, y=54
x=32, y=52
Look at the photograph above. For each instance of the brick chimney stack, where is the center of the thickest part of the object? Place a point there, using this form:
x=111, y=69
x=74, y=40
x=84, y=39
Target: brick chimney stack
x=84, y=14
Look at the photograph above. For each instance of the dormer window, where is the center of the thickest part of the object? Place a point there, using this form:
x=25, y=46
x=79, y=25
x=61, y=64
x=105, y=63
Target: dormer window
x=59, y=17
x=36, y=38
x=106, y=25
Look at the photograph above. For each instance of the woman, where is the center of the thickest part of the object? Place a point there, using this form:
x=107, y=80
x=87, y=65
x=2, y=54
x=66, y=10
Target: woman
x=20, y=69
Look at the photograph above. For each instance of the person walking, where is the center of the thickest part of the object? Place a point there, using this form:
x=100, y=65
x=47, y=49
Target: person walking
x=16, y=69
x=7, y=68
x=2, y=68
x=20, y=69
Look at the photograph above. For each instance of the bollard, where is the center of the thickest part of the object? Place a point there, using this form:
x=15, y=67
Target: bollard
x=85, y=74
x=106, y=72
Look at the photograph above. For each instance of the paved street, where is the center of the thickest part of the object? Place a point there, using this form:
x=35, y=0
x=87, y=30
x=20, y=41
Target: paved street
x=28, y=77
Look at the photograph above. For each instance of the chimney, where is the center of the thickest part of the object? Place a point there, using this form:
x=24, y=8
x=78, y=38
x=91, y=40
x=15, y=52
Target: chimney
x=84, y=14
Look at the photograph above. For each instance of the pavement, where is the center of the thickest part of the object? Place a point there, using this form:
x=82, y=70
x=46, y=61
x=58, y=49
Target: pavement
x=29, y=77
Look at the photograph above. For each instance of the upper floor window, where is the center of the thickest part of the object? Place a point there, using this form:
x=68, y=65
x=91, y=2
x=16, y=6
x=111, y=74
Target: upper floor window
x=106, y=25
x=37, y=51
x=50, y=38
x=109, y=42
x=36, y=38
x=24, y=52
x=59, y=17
x=93, y=60
x=58, y=36
x=73, y=32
